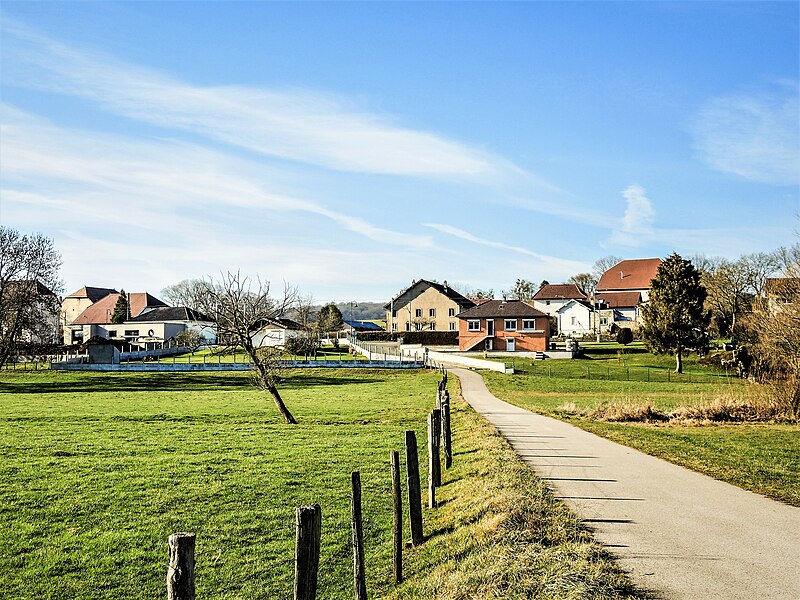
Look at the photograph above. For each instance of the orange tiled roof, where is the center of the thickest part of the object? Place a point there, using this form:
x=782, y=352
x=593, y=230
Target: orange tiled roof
x=633, y=274
x=100, y=312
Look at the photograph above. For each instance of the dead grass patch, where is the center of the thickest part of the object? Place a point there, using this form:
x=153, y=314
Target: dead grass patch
x=758, y=406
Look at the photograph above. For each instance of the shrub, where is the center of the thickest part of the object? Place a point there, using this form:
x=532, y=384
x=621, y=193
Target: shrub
x=624, y=336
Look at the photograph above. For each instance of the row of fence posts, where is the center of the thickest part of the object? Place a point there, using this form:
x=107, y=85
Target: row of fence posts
x=308, y=518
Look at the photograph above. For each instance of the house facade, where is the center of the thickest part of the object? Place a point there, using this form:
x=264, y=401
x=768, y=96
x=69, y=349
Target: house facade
x=163, y=324
x=273, y=333
x=503, y=325
x=576, y=318
x=550, y=298
x=73, y=305
x=426, y=305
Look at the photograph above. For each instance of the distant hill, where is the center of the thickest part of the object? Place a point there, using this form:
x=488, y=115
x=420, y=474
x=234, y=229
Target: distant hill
x=363, y=311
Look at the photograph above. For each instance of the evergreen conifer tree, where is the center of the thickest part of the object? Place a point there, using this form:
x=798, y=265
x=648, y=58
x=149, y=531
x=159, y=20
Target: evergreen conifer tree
x=120, y=314
x=674, y=319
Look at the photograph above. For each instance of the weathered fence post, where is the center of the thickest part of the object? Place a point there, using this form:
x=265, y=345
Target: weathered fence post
x=397, y=527
x=434, y=466
x=180, y=572
x=359, y=576
x=447, y=437
x=414, y=491
x=306, y=551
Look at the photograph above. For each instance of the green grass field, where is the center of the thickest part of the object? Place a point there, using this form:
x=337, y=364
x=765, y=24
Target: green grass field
x=759, y=457
x=98, y=469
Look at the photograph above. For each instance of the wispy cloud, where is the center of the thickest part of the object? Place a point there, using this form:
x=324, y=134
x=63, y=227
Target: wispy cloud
x=545, y=261
x=637, y=222
x=299, y=125
x=108, y=178
x=754, y=136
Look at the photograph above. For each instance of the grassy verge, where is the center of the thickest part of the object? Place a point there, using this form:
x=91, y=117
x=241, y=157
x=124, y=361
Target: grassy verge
x=762, y=458
x=98, y=469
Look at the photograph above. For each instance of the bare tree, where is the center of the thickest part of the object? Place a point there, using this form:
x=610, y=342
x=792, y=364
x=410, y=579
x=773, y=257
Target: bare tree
x=190, y=338
x=240, y=306
x=29, y=285
x=188, y=292
x=775, y=327
x=522, y=290
x=601, y=265
x=585, y=282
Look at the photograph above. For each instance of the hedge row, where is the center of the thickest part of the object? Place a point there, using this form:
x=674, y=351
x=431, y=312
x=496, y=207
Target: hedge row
x=426, y=338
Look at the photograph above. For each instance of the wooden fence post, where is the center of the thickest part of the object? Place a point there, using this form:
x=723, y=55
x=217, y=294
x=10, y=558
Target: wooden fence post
x=306, y=551
x=397, y=528
x=447, y=437
x=414, y=491
x=434, y=466
x=180, y=572
x=359, y=576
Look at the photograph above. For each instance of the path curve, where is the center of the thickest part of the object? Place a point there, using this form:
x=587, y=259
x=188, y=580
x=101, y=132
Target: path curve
x=678, y=533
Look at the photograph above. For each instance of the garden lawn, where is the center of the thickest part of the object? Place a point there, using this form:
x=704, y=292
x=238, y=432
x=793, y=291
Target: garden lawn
x=761, y=457
x=98, y=469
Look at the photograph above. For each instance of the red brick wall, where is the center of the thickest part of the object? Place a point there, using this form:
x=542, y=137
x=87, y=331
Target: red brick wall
x=526, y=341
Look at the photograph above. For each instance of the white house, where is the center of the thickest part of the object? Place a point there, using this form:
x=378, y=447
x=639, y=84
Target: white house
x=575, y=318
x=274, y=332
x=162, y=324
x=551, y=297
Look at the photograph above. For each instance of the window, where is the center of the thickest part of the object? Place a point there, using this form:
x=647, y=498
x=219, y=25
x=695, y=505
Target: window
x=112, y=334
x=418, y=326
x=452, y=326
x=432, y=312
x=433, y=326
x=418, y=312
x=510, y=325
x=603, y=320
x=408, y=326
x=573, y=320
x=451, y=312
x=474, y=325
x=529, y=324
x=131, y=333
x=394, y=313
x=394, y=326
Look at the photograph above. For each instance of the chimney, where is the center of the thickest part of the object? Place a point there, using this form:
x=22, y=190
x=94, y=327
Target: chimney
x=445, y=285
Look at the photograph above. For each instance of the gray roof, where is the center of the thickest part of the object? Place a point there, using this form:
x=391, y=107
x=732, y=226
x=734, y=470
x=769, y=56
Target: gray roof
x=417, y=287
x=170, y=313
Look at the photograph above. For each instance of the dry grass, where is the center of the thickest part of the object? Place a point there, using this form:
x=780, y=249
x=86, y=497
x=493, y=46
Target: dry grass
x=759, y=405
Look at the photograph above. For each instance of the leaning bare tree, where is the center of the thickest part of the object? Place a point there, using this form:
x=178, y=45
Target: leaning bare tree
x=29, y=284
x=240, y=306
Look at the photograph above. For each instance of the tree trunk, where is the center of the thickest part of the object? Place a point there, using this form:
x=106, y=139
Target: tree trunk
x=679, y=361
x=287, y=416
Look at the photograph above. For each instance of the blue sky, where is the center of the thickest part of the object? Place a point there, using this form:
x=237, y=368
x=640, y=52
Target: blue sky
x=348, y=148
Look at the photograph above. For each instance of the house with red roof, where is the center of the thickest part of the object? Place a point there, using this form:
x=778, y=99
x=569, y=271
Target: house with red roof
x=504, y=325
x=624, y=288
x=551, y=297
x=95, y=318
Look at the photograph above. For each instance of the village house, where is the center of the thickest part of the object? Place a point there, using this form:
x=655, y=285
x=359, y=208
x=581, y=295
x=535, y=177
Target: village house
x=165, y=323
x=551, y=297
x=505, y=325
x=274, y=333
x=426, y=305
x=95, y=319
x=624, y=288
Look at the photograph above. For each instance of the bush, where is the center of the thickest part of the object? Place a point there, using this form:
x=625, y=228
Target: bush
x=301, y=345
x=624, y=336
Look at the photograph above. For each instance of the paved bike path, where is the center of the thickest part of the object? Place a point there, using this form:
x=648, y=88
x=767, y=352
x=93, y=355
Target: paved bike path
x=680, y=534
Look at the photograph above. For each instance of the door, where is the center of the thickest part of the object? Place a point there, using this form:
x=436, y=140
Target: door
x=511, y=344
x=490, y=327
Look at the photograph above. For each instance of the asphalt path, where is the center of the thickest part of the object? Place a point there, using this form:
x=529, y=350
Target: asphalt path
x=678, y=533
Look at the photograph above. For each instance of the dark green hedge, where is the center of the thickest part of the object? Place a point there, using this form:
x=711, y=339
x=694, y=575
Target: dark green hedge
x=426, y=338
